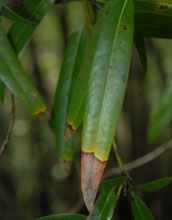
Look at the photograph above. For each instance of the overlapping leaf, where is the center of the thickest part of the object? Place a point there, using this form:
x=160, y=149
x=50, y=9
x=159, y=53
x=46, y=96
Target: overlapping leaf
x=2, y=91
x=109, y=184
x=21, y=33
x=70, y=69
x=14, y=77
x=139, y=209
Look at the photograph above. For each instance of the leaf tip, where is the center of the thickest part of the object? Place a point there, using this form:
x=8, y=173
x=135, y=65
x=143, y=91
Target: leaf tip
x=44, y=115
x=91, y=173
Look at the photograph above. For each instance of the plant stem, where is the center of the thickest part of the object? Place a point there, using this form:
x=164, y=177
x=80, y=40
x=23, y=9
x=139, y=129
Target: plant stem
x=119, y=161
x=88, y=15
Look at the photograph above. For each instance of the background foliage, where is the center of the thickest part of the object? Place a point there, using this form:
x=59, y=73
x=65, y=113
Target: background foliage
x=32, y=184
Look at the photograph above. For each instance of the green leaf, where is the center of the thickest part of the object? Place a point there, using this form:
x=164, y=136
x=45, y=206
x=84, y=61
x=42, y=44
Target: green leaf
x=105, y=206
x=68, y=75
x=14, y=77
x=153, y=19
x=155, y=185
x=140, y=46
x=20, y=33
x=8, y=13
x=111, y=183
x=109, y=69
x=139, y=209
x=63, y=217
x=161, y=114
x=2, y=91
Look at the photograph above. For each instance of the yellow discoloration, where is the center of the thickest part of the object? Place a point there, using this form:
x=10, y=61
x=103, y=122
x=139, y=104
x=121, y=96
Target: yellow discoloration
x=73, y=127
x=96, y=153
x=44, y=109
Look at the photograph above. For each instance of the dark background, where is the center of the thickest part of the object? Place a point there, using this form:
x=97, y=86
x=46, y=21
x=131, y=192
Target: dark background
x=32, y=183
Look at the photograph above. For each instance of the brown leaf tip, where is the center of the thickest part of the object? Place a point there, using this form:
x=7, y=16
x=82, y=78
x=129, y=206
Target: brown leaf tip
x=91, y=173
x=66, y=166
x=69, y=132
x=44, y=116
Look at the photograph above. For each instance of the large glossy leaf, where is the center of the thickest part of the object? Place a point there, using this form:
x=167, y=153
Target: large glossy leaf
x=105, y=206
x=20, y=33
x=109, y=70
x=153, y=19
x=155, y=185
x=111, y=183
x=161, y=114
x=2, y=91
x=14, y=77
x=63, y=217
x=8, y=13
x=139, y=209
x=69, y=71
x=108, y=66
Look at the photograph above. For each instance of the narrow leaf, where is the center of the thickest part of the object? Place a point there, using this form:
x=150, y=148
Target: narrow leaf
x=153, y=19
x=69, y=71
x=108, y=66
x=111, y=183
x=14, y=77
x=20, y=33
x=104, y=206
x=63, y=217
x=8, y=13
x=155, y=185
x=2, y=2
x=139, y=209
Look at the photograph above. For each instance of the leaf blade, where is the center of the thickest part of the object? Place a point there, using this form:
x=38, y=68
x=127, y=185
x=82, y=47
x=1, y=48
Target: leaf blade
x=63, y=217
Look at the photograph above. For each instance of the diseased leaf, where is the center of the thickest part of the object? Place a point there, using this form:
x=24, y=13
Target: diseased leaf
x=108, y=66
x=8, y=13
x=153, y=19
x=161, y=114
x=14, y=77
x=69, y=71
x=111, y=183
x=155, y=185
x=20, y=33
x=139, y=209
x=63, y=217
x=2, y=91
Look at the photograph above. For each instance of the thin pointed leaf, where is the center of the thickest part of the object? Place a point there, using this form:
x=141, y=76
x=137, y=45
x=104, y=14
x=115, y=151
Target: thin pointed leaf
x=8, y=13
x=14, y=77
x=161, y=115
x=2, y=91
x=69, y=71
x=105, y=206
x=20, y=34
x=63, y=217
x=111, y=183
x=155, y=185
x=139, y=209
x=108, y=66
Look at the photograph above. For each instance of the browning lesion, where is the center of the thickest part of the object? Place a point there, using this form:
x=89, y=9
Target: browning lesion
x=69, y=132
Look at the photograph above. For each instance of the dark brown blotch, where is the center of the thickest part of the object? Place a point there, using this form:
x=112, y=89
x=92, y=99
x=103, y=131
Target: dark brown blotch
x=44, y=116
x=125, y=27
x=110, y=67
x=163, y=7
x=69, y=132
x=79, y=78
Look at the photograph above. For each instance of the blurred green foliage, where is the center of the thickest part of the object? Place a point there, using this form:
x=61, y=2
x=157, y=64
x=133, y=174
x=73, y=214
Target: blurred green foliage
x=32, y=183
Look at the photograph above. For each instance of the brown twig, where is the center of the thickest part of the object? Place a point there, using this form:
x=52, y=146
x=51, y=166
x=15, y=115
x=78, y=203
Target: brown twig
x=141, y=160
x=10, y=127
